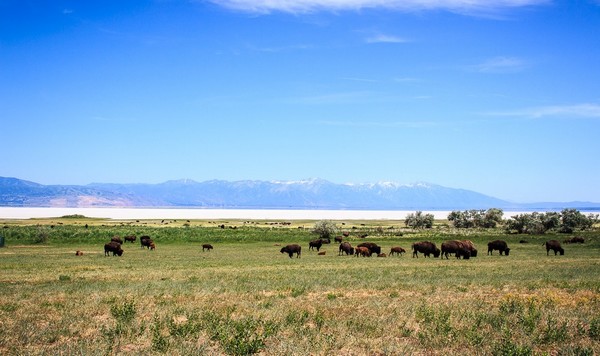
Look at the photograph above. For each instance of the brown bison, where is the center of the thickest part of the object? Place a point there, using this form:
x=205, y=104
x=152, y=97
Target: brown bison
x=362, y=251
x=291, y=250
x=79, y=253
x=373, y=247
x=397, y=250
x=499, y=245
x=322, y=253
x=146, y=241
x=338, y=239
x=458, y=248
x=345, y=247
x=575, y=240
x=207, y=247
x=555, y=246
x=381, y=255
x=427, y=248
x=152, y=246
x=130, y=238
x=315, y=244
x=346, y=233
x=117, y=239
x=113, y=247
x=470, y=246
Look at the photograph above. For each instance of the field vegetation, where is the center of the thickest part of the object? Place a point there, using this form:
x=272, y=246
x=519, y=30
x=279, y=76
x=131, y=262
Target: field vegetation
x=246, y=297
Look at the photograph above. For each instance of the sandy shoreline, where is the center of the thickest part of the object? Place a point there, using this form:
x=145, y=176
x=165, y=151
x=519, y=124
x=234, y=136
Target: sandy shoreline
x=208, y=214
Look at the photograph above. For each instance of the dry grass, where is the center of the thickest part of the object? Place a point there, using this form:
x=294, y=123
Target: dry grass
x=245, y=297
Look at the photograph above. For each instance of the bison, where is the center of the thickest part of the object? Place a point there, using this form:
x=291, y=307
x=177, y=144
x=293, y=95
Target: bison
x=347, y=248
x=291, y=250
x=499, y=245
x=79, y=253
x=362, y=251
x=130, y=238
x=397, y=250
x=113, y=247
x=381, y=255
x=458, y=248
x=373, y=247
x=315, y=244
x=117, y=239
x=470, y=246
x=338, y=239
x=427, y=248
x=152, y=246
x=555, y=246
x=575, y=240
x=207, y=247
x=146, y=241
x=322, y=253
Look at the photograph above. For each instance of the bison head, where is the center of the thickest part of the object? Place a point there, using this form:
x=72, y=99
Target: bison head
x=437, y=252
x=506, y=251
x=562, y=251
x=474, y=253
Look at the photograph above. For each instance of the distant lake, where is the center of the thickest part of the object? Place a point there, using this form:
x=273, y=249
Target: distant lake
x=215, y=214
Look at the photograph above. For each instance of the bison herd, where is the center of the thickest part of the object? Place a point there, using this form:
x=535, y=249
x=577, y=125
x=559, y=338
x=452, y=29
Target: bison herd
x=464, y=249
x=115, y=244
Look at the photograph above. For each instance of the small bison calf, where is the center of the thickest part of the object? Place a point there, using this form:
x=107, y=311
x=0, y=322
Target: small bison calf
x=207, y=247
x=79, y=253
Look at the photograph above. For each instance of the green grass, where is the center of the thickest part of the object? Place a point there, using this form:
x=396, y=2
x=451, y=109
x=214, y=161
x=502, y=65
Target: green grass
x=245, y=297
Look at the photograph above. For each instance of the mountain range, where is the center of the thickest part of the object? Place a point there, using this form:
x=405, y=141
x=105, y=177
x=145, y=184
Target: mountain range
x=304, y=194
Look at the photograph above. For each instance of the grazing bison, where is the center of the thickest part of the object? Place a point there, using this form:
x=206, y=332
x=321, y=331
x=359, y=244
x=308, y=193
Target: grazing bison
x=362, y=251
x=397, y=250
x=207, y=247
x=130, y=238
x=117, y=239
x=373, y=247
x=458, y=248
x=346, y=233
x=79, y=253
x=470, y=246
x=152, y=246
x=427, y=248
x=499, y=245
x=338, y=239
x=575, y=240
x=555, y=246
x=345, y=247
x=146, y=241
x=291, y=250
x=315, y=244
x=113, y=247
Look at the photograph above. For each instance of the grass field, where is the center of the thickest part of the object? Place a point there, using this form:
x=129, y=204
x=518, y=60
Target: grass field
x=245, y=297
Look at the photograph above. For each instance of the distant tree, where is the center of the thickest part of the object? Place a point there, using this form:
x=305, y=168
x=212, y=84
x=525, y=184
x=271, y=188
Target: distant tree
x=325, y=229
x=567, y=221
x=572, y=219
x=419, y=220
x=492, y=218
x=476, y=218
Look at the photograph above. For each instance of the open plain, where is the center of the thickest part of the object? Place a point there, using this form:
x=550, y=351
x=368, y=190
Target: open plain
x=244, y=296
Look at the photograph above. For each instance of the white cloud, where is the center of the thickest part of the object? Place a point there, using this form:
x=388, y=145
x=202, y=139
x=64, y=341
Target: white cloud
x=565, y=111
x=309, y=6
x=500, y=65
x=380, y=38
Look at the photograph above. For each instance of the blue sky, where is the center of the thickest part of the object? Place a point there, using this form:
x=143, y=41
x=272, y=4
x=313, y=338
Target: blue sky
x=500, y=97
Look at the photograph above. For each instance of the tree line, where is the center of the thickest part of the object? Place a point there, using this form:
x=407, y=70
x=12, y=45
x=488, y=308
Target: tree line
x=566, y=221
